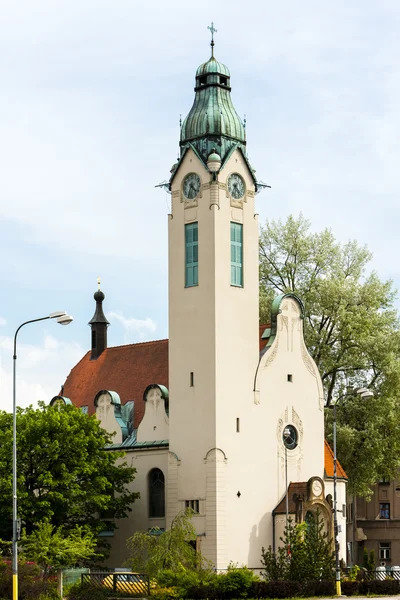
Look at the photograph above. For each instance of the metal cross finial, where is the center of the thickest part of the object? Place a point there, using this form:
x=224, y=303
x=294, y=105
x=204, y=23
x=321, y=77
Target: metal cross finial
x=98, y=282
x=213, y=30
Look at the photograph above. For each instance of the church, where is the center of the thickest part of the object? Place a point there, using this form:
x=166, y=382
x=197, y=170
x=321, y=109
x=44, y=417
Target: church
x=224, y=417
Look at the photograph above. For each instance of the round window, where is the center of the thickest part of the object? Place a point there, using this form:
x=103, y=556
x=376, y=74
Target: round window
x=290, y=437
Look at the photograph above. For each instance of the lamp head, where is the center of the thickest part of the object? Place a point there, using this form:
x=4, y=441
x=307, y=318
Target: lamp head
x=65, y=319
x=365, y=393
x=57, y=314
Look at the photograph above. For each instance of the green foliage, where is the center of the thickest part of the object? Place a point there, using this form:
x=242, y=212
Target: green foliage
x=352, y=332
x=55, y=548
x=64, y=474
x=305, y=555
x=353, y=572
x=153, y=552
x=86, y=591
x=369, y=560
x=236, y=582
x=31, y=586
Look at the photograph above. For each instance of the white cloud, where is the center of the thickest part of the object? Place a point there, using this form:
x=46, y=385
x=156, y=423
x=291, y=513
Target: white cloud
x=40, y=370
x=2, y=321
x=135, y=329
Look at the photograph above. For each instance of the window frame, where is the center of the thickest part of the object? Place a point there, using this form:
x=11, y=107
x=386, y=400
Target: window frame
x=236, y=251
x=384, y=509
x=194, y=505
x=385, y=551
x=156, y=512
x=191, y=252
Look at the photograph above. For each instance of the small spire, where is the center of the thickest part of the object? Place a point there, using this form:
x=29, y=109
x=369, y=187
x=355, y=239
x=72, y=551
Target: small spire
x=213, y=30
x=98, y=282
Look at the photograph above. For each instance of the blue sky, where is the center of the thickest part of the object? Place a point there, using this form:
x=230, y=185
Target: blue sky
x=89, y=124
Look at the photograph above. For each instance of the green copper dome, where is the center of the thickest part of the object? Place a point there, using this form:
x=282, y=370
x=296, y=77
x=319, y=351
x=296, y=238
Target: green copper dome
x=212, y=66
x=212, y=121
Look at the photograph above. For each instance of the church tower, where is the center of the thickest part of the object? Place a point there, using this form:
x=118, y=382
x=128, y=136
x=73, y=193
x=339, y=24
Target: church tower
x=213, y=319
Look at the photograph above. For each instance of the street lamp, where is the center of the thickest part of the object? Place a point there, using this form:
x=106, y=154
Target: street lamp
x=64, y=319
x=364, y=393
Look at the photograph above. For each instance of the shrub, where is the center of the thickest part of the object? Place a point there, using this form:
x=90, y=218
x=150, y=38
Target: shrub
x=282, y=589
x=387, y=587
x=31, y=586
x=165, y=593
x=236, y=582
x=350, y=588
x=322, y=587
x=86, y=591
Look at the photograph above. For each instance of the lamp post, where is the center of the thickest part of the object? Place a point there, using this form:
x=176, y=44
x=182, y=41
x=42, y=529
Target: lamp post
x=364, y=393
x=63, y=319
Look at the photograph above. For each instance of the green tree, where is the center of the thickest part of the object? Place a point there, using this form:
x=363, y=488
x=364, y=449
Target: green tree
x=65, y=476
x=352, y=332
x=154, y=551
x=55, y=548
x=306, y=553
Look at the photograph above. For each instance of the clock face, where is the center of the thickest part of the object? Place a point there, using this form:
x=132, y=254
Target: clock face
x=236, y=186
x=191, y=186
x=316, y=487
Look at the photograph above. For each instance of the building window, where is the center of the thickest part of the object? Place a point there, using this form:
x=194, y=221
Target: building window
x=237, y=254
x=384, y=551
x=237, y=425
x=290, y=437
x=191, y=254
x=191, y=379
x=194, y=505
x=384, y=510
x=94, y=341
x=156, y=494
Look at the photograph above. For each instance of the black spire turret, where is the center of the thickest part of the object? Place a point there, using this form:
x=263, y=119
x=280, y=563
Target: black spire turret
x=98, y=324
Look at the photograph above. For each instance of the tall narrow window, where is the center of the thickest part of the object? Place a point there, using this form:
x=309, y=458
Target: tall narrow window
x=191, y=254
x=384, y=510
x=237, y=254
x=156, y=493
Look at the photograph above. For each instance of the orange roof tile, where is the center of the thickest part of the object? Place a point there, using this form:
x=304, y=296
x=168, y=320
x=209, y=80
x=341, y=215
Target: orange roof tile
x=328, y=463
x=127, y=370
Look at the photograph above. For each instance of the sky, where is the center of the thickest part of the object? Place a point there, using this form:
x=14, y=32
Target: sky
x=92, y=93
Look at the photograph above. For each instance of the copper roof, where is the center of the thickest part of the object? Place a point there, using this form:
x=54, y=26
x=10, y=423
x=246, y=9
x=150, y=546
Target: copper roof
x=127, y=370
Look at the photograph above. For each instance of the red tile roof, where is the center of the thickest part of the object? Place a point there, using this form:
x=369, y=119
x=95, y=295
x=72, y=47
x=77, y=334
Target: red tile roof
x=127, y=370
x=328, y=463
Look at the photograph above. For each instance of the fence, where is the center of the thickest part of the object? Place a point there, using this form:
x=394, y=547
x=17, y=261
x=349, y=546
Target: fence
x=71, y=576
x=381, y=573
x=134, y=585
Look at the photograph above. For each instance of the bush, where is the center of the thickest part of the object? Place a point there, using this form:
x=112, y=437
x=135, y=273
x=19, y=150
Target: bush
x=86, y=591
x=387, y=587
x=165, y=593
x=350, y=588
x=236, y=582
x=31, y=586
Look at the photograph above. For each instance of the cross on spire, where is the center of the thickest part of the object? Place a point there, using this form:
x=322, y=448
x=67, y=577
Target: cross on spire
x=213, y=30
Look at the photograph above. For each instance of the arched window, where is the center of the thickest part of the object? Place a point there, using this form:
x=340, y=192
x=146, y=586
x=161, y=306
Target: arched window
x=156, y=493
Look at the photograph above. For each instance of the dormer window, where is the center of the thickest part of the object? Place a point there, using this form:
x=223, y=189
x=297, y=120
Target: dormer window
x=203, y=80
x=223, y=80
